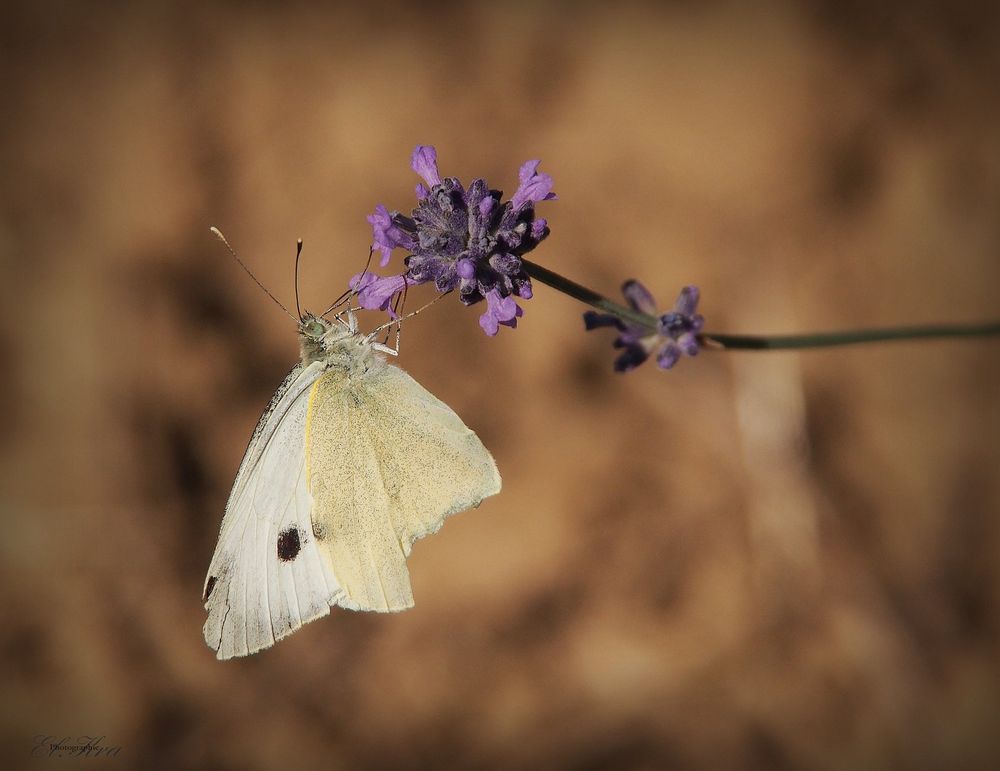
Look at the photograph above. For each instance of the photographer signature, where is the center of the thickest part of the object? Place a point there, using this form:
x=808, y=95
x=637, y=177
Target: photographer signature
x=65, y=747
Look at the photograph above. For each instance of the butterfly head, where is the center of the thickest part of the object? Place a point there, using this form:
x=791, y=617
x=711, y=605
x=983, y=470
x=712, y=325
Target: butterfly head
x=313, y=328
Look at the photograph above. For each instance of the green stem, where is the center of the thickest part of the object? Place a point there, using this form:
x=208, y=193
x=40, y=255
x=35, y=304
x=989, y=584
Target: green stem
x=851, y=337
x=581, y=293
x=762, y=342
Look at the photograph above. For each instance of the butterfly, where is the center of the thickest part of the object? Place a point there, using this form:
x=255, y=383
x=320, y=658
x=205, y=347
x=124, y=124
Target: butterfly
x=351, y=462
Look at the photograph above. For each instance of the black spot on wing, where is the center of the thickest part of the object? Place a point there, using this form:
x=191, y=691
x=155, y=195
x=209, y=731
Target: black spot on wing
x=212, y=580
x=289, y=544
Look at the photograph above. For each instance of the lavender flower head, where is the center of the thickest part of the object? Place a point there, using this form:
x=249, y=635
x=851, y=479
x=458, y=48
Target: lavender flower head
x=676, y=331
x=464, y=239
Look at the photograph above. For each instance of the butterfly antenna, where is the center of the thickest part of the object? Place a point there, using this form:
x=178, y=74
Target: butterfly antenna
x=298, y=253
x=339, y=301
x=352, y=291
x=368, y=263
x=218, y=234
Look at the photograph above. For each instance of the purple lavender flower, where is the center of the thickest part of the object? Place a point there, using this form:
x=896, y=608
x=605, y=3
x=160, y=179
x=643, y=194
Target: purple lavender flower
x=387, y=235
x=464, y=239
x=499, y=310
x=377, y=291
x=676, y=331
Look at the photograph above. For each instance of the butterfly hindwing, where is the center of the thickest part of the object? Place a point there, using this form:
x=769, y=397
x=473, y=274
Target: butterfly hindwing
x=387, y=463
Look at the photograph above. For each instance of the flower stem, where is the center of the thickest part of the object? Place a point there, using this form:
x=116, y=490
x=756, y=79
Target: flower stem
x=588, y=296
x=762, y=342
x=850, y=337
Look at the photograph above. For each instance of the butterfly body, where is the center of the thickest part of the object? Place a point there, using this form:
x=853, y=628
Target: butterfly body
x=351, y=462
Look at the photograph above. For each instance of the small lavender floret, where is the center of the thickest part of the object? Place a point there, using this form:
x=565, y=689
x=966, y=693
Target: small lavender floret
x=499, y=310
x=387, y=236
x=425, y=162
x=676, y=334
x=377, y=291
x=462, y=239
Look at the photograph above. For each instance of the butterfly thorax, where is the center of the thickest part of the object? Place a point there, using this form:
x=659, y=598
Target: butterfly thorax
x=334, y=344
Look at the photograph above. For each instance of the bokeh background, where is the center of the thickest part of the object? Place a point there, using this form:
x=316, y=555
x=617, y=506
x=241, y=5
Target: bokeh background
x=755, y=561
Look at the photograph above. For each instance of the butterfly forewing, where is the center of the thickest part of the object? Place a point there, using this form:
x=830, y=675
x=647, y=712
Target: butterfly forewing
x=267, y=578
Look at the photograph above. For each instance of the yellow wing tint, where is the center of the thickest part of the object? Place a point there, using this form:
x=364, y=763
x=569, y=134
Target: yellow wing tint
x=386, y=463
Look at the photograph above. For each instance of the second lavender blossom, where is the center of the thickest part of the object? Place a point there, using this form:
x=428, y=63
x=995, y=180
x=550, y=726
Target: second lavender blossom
x=676, y=330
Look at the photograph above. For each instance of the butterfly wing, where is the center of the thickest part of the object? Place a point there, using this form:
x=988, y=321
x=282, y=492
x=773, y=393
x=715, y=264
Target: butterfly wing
x=267, y=577
x=387, y=462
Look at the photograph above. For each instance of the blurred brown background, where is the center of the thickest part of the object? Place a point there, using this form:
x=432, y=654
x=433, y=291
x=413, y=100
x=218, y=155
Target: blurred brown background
x=755, y=561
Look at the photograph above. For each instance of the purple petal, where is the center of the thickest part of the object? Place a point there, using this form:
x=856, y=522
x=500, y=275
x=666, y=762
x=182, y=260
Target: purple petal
x=424, y=162
x=632, y=357
x=381, y=221
x=668, y=356
x=538, y=228
x=595, y=320
x=489, y=324
x=688, y=343
x=504, y=308
x=527, y=170
x=499, y=310
x=465, y=268
x=421, y=191
x=512, y=322
x=687, y=301
x=639, y=297
x=361, y=280
x=377, y=292
x=386, y=234
x=630, y=336
x=534, y=187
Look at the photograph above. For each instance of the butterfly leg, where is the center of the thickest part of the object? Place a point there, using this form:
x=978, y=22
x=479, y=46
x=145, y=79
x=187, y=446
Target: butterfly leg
x=386, y=348
x=399, y=328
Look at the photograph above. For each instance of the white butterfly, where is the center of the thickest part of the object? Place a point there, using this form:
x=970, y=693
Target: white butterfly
x=351, y=462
